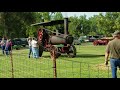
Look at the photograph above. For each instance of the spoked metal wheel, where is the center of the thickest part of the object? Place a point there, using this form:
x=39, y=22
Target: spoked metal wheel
x=72, y=51
x=41, y=49
x=54, y=52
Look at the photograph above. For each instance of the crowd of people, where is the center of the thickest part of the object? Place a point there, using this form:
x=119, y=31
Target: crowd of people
x=6, y=46
x=33, y=47
x=112, y=50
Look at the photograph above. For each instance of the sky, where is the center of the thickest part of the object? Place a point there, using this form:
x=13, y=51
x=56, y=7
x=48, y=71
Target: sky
x=88, y=14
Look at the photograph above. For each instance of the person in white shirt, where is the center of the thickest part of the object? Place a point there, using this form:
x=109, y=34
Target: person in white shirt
x=30, y=46
x=35, y=48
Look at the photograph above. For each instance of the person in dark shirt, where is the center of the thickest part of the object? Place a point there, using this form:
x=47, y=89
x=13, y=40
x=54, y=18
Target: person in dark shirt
x=8, y=46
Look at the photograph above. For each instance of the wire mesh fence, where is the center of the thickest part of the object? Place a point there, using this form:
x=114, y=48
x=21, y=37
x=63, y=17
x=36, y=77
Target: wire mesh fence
x=24, y=67
x=74, y=69
x=20, y=66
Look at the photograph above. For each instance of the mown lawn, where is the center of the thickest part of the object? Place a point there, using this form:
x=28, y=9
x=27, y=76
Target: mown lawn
x=89, y=63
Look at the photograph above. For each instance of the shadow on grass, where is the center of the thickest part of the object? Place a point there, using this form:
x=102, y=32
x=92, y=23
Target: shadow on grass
x=88, y=56
x=1, y=55
x=78, y=56
x=46, y=56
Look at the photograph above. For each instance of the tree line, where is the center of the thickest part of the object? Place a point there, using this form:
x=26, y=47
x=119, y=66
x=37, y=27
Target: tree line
x=18, y=24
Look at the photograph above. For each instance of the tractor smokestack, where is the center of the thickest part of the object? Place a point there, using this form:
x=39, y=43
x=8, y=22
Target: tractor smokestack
x=66, y=26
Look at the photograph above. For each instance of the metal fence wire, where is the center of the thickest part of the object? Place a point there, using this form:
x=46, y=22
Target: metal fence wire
x=18, y=65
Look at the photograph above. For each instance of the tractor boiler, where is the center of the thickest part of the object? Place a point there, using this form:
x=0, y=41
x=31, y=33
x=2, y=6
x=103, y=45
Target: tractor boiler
x=66, y=39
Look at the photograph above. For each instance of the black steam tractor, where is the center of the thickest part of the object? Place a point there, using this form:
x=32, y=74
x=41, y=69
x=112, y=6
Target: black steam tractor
x=49, y=40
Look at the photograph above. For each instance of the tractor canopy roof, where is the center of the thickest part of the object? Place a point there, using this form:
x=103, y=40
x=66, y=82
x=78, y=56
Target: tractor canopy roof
x=50, y=23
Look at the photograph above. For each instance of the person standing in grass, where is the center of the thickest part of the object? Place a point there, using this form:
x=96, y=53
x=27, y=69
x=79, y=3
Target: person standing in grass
x=8, y=47
x=35, y=48
x=113, y=50
x=2, y=43
x=30, y=46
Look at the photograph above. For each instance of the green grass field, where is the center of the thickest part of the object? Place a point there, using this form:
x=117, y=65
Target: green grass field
x=89, y=63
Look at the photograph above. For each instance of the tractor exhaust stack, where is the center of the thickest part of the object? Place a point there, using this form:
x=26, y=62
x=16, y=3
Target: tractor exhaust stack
x=66, y=26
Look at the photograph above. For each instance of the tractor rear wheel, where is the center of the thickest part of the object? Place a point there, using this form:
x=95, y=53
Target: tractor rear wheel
x=72, y=51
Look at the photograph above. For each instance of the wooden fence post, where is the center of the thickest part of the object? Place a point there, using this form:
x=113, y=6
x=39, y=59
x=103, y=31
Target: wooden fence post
x=11, y=59
x=53, y=57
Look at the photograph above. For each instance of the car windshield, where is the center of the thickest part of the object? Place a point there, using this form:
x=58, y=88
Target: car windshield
x=23, y=39
x=82, y=37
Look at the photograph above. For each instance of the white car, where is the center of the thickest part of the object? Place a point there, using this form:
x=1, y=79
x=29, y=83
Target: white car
x=76, y=42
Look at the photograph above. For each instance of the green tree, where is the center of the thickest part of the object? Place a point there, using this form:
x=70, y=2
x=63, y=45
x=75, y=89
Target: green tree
x=73, y=26
x=15, y=23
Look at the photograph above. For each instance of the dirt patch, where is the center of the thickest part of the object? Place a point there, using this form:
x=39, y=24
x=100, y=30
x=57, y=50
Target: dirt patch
x=102, y=67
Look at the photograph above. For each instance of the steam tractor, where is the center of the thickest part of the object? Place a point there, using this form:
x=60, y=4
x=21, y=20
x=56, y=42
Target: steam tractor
x=60, y=43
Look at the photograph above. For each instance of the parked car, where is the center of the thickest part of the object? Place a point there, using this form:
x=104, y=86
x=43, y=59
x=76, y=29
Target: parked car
x=83, y=39
x=76, y=41
x=24, y=42
x=20, y=41
x=102, y=41
x=95, y=37
x=92, y=39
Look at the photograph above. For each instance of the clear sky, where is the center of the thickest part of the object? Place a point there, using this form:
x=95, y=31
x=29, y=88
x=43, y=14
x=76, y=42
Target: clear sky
x=88, y=14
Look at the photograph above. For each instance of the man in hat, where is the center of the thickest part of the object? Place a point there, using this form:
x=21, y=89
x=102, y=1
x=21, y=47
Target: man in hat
x=29, y=39
x=113, y=50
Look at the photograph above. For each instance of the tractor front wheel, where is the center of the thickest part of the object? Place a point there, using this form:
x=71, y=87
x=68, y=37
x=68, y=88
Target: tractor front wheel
x=54, y=52
x=72, y=51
